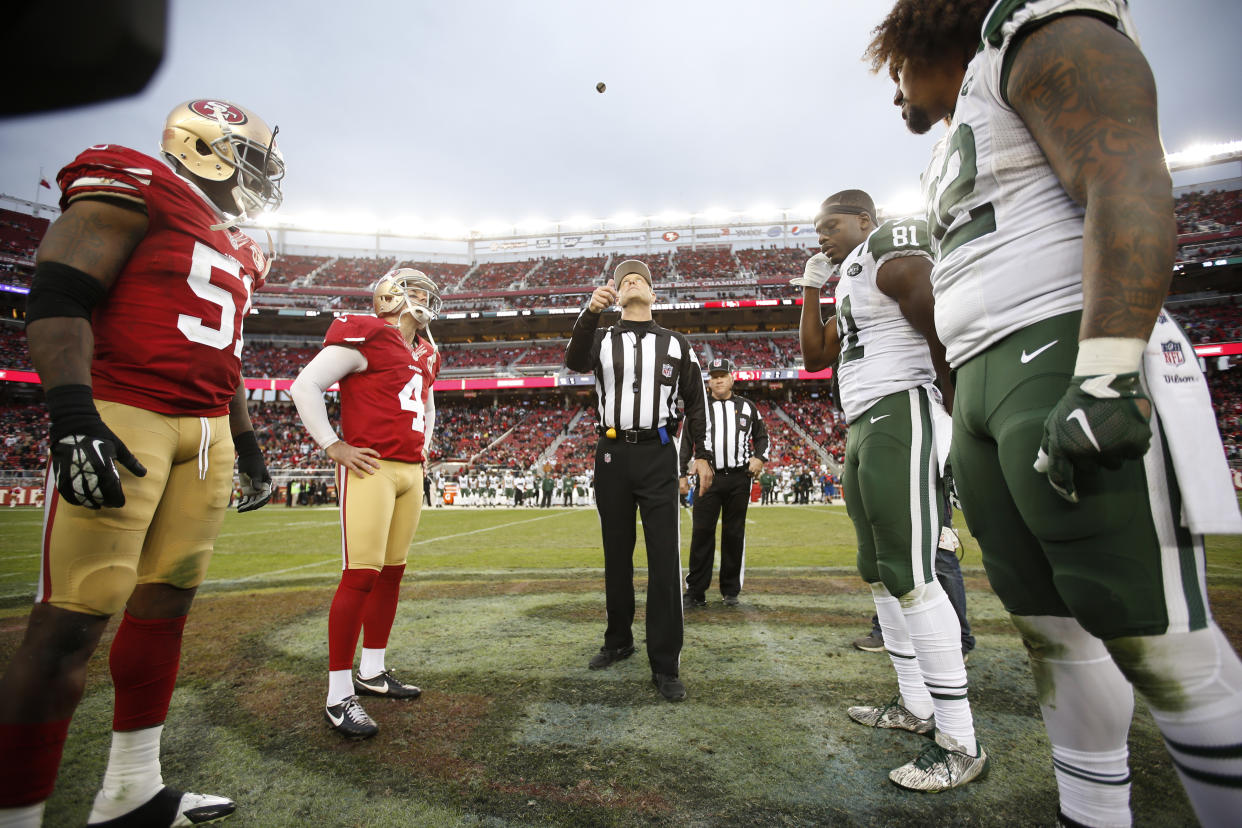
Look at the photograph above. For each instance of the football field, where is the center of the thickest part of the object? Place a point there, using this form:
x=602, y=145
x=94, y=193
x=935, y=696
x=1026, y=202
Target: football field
x=501, y=609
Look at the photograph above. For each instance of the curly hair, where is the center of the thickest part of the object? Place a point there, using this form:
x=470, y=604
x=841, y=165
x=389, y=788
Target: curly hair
x=926, y=30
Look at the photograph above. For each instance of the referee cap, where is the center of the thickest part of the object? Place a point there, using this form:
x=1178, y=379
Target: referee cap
x=720, y=365
x=632, y=266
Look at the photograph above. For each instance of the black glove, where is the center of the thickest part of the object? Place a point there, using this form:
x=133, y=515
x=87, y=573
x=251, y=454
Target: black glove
x=83, y=450
x=1097, y=423
x=256, y=483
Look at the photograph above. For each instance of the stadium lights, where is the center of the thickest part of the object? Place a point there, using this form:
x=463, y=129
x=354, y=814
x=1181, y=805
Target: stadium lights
x=715, y=214
x=905, y=204
x=1197, y=154
x=761, y=212
x=625, y=219
x=578, y=221
x=533, y=224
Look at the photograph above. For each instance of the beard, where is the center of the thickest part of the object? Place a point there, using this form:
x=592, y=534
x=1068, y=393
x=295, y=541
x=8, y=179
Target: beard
x=917, y=120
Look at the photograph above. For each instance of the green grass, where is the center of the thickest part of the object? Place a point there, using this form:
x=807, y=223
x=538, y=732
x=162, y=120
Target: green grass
x=500, y=611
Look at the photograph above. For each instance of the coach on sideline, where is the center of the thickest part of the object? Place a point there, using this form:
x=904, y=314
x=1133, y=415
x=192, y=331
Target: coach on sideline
x=739, y=443
x=640, y=370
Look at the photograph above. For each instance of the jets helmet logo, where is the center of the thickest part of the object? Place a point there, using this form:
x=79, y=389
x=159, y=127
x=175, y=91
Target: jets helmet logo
x=219, y=110
x=854, y=269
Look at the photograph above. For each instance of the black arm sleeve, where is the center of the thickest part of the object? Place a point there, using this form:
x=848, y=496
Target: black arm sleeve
x=694, y=394
x=582, y=353
x=759, y=436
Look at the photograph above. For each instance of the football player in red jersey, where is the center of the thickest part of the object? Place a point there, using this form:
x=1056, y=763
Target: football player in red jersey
x=386, y=365
x=134, y=324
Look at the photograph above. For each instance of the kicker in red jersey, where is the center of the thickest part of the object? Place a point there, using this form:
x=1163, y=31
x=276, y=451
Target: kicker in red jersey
x=384, y=407
x=169, y=336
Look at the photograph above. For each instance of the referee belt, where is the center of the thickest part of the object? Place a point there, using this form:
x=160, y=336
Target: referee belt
x=734, y=470
x=632, y=435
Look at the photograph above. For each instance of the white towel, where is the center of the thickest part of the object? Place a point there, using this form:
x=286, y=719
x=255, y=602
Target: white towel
x=1179, y=392
x=942, y=426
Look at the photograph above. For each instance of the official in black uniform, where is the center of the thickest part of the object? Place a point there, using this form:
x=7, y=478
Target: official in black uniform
x=640, y=371
x=739, y=444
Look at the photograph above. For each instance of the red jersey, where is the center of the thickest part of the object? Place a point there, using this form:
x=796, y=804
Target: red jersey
x=385, y=406
x=168, y=337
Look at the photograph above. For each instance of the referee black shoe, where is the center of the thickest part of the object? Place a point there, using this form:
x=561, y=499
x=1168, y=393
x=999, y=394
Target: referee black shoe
x=690, y=602
x=387, y=685
x=607, y=656
x=670, y=687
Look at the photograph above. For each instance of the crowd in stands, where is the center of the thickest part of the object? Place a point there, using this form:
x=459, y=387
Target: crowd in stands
x=537, y=428
x=568, y=272
x=446, y=275
x=774, y=262
x=1201, y=212
x=746, y=352
x=20, y=233
x=497, y=275
x=545, y=354
x=24, y=444
x=267, y=360
x=288, y=269
x=13, y=352
x=464, y=356
x=560, y=299
x=1210, y=323
x=658, y=263
x=819, y=418
x=707, y=264
x=576, y=453
x=358, y=272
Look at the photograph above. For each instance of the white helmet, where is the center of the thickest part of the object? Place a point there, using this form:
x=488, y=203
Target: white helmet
x=406, y=290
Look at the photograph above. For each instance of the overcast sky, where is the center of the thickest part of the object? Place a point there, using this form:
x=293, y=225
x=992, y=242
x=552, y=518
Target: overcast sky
x=481, y=111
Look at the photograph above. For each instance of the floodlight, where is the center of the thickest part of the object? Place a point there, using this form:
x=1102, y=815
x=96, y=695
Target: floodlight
x=908, y=203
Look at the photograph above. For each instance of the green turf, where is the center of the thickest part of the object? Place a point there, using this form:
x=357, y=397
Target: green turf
x=500, y=611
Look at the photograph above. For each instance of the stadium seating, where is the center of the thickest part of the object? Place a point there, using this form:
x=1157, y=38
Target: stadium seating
x=13, y=352
x=353, y=272
x=20, y=233
x=568, y=272
x=497, y=275
x=710, y=263
x=288, y=269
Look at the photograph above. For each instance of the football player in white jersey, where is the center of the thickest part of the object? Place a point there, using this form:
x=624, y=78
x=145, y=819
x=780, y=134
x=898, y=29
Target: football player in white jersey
x=884, y=344
x=1084, y=448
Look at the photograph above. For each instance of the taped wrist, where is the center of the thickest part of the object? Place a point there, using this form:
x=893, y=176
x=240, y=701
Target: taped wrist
x=247, y=445
x=62, y=290
x=1108, y=355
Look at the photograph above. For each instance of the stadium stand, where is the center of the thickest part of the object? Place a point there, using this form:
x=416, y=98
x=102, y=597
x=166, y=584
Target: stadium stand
x=21, y=233
x=13, y=352
x=709, y=263
x=774, y=262
x=288, y=269
x=568, y=272
x=353, y=272
x=498, y=275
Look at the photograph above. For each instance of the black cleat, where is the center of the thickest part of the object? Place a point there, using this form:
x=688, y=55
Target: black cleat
x=670, y=687
x=607, y=657
x=173, y=808
x=386, y=685
x=689, y=602
x=350, y=720
x=731, y=601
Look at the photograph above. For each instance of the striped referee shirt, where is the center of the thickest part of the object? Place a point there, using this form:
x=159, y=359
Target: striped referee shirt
x=640, y=370
x=736, y=431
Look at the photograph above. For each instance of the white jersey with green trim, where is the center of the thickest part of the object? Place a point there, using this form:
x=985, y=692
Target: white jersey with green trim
x=1006, y=235
x=881, y=353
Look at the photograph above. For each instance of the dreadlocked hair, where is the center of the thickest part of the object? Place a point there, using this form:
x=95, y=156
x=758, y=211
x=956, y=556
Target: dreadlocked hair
x=926, y=30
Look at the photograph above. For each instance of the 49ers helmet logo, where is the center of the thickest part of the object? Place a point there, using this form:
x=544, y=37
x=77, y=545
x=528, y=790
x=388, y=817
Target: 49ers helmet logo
x=218, y=109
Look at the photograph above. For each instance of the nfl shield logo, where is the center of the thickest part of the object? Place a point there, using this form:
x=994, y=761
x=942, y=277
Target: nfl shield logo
x=1173, y=352
x=666, y=370
x=607, y=457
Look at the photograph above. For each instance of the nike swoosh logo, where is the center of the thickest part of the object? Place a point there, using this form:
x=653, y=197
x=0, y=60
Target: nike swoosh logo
x=382, y=687
x=881, y=417
x=1079, y=416
x=335, y=720
x=1025, y=358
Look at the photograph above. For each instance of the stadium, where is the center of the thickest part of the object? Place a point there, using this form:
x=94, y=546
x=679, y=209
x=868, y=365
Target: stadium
x=499, y=600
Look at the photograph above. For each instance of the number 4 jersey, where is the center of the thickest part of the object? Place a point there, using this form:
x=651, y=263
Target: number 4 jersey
x=384, y=406
x=881, y=353
x=1007, y=237
x=168, y=337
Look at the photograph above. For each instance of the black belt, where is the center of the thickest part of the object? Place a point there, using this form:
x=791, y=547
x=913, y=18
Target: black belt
x=632, y=435
x=734, y=470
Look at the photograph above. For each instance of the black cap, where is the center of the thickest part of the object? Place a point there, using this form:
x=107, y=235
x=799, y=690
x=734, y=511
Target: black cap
x=720, y=365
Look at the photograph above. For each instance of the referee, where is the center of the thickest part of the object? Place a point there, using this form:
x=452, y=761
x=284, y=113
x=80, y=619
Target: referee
x=640, y=371
x=739, y=443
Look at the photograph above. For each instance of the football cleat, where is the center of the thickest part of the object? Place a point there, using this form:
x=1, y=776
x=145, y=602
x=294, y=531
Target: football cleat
x=175, y=809
x=942, y=765
x=350, y=720
x=892, y=715
x=387, y=685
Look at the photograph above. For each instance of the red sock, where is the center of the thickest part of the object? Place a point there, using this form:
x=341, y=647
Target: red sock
x=345, y=617
x=29, y=760
x=381, y=608
x=144, y=660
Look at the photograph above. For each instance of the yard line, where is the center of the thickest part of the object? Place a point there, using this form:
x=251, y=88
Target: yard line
x=335, y=559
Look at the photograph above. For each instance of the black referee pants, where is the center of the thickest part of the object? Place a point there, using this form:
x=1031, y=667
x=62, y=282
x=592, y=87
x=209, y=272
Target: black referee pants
x=730, y=495
x=643, y=475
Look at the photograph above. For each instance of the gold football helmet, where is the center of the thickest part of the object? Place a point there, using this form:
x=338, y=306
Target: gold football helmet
x=406, y=290
x=213, y=138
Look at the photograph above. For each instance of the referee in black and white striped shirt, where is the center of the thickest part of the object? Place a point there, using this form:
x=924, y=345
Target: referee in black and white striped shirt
x=640, y=371
x=739, y=443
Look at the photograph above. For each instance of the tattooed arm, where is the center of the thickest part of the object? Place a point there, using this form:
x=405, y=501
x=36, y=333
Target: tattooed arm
x=1088, y=97
x=96, y=238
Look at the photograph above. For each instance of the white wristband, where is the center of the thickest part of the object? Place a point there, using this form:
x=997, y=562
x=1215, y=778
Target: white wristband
x=1109, y=355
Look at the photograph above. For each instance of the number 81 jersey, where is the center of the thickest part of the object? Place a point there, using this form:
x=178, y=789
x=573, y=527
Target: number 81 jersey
x=168, y=337
x=384, y=406
x=881, y=353
x=1006, y=235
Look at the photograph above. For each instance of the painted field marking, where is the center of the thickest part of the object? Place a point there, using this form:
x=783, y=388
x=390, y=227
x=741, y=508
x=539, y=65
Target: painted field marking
x=336, y=559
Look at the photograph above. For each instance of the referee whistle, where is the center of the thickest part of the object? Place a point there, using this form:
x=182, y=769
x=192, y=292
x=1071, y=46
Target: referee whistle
x=611, y=433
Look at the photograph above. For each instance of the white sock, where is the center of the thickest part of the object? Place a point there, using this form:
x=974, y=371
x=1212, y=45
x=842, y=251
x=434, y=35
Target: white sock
x=133, y=774
x=914, y=693
x=1087, y=705
x=937, y=640
x=1193, y=684
x=340, y=686
x=372, y=663
x=27, y=816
